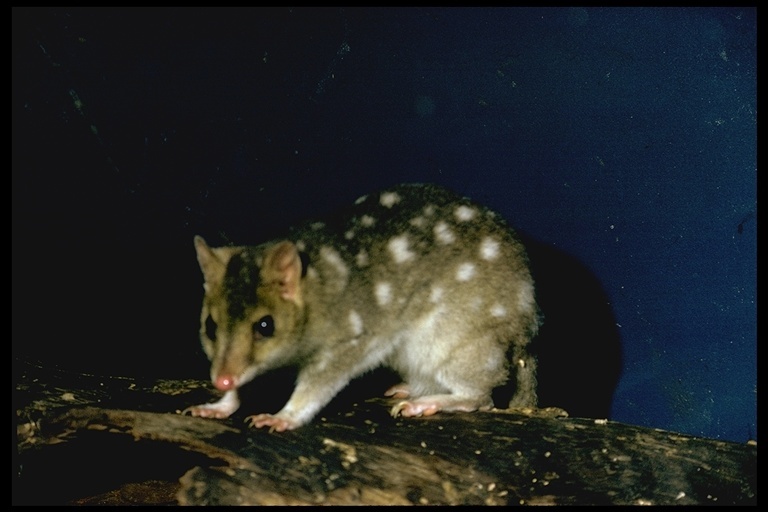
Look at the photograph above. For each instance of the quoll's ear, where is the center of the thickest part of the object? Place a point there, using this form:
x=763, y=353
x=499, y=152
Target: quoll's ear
x=213, y=261
x=205, y=256
x=282, y=264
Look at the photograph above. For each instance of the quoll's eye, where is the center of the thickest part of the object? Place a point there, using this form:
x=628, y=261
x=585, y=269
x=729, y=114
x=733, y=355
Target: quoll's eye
x=264, y=328
x=210, y=328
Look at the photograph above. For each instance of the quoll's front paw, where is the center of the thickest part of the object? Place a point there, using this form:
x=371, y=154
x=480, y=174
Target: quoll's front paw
x=275, y=423
x=208, y=411
x=224, y=408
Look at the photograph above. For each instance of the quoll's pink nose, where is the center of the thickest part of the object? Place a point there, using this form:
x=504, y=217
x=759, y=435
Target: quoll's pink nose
x=224, y=382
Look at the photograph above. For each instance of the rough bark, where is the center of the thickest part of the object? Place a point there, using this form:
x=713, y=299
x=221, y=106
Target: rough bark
x=92, y=440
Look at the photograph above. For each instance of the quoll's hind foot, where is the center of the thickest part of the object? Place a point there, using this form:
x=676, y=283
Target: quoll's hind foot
x=401, y=390
x=414, y=409
x=429, y=405
x=274, y=422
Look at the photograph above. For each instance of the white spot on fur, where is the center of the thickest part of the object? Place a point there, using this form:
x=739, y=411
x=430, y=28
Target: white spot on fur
x=361, y=258
x=400, y=249
x=489, y=249
x=465, y=271
x=389, y=199
x=323, y=361
x=491, y=362
x=356, y=323
x=436, y=294
x=498, y=311
x=367, y=221
x=361, y=199
x=349, y=235
x=383, y=292
x=443, y=233
x=418, y=222
x=334, y=260
x=465, y=213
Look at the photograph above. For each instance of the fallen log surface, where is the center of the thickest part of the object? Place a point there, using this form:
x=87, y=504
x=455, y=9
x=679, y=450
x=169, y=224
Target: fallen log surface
x=85, y=439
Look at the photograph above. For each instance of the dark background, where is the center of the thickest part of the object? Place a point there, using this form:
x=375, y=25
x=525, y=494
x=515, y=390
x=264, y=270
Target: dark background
x=621, y=142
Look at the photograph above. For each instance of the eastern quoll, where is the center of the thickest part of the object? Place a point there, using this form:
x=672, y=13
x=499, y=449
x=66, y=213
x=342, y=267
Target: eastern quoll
x=415, y=278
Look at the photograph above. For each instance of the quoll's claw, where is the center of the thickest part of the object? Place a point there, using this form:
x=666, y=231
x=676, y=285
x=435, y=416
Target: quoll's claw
x=275, y=423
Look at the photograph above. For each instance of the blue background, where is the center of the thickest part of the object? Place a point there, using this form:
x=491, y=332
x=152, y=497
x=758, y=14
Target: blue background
x=621, y=142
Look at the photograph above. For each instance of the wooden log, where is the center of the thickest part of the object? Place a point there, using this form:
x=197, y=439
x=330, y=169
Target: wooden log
x=85, y=439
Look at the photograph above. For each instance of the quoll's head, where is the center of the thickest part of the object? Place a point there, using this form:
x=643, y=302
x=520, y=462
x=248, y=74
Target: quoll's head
x=250, y=310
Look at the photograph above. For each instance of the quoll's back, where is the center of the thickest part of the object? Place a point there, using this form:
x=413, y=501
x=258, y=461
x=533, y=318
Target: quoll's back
x=415, y=278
